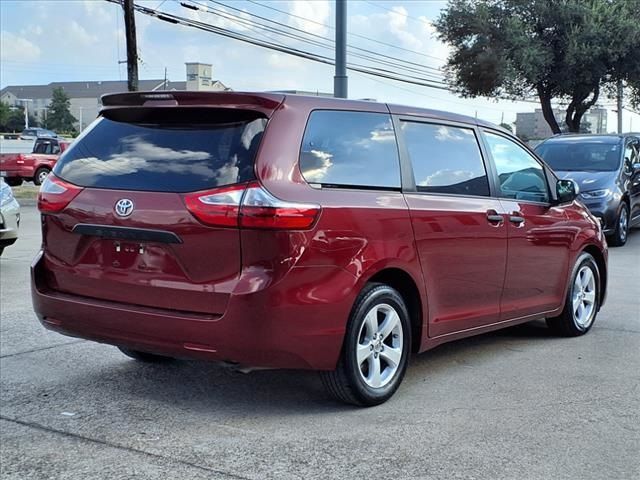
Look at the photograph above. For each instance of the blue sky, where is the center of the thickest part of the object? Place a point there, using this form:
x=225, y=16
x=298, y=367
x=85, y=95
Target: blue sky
x=58, y=40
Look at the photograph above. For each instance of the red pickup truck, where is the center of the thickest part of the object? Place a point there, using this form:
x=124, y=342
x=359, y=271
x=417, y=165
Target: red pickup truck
x=35, y=166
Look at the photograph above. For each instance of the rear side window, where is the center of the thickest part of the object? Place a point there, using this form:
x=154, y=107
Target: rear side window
x=519, y=174
x=42, y=147
x=445, y=159
x=168, y=154
x=352, y=149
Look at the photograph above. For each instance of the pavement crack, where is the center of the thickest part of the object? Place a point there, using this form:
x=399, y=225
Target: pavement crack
x=106, y=443
x=24, y=352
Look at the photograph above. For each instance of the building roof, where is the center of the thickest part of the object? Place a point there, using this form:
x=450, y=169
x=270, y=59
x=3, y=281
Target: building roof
x=87, y=89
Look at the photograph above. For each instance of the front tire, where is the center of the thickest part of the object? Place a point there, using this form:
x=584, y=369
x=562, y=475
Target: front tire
x=376, y=349
x=583, y=299
x=144, y=356
x=619, y=237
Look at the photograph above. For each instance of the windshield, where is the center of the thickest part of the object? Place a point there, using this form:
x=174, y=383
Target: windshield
x=167, y=155
x=581, y=157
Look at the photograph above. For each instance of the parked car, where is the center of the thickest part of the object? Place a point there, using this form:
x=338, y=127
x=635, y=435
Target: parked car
x=35, y=133
x=35, y=166
x=9, y=216
x=607, y=170
x=306, y=232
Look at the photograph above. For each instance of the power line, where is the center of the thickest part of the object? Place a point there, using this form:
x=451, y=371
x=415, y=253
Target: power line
x=353, y=34
x=377, y=5
x=414, y=67
x=176, y=19
x=364, y=69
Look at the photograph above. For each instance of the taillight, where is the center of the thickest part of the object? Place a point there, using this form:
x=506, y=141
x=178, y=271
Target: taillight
x=250, y=206
x=260, y=209
x=219, y=207
x=55, y=194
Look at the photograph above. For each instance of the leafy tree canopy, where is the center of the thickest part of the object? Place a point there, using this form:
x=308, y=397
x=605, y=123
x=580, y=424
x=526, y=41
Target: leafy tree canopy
x=59, y=116
x=12, y=118
x=570, y=50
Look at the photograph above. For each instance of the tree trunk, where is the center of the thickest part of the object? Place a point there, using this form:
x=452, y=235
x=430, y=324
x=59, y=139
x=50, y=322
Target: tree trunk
x=577, y=108
x=547, y=110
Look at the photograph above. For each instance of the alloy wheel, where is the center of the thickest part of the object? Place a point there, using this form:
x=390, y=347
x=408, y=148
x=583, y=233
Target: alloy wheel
x=623, y=224
x=380, y=346
x=584, y=297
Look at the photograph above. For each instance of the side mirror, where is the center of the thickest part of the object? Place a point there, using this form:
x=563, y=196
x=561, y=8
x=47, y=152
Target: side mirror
x=567, y=191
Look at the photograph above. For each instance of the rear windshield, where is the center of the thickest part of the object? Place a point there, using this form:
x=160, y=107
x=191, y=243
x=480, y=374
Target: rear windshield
x=591, y=156
x=170, y=154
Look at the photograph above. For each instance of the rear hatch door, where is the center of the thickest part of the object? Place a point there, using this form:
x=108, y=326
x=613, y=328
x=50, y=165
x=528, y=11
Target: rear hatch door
x=128, y=236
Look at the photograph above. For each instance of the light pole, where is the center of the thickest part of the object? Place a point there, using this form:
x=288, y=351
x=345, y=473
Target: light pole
x=26, y=110
x=80, y=119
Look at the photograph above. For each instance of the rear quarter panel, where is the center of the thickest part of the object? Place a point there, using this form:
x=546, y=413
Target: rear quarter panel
x=360, y=232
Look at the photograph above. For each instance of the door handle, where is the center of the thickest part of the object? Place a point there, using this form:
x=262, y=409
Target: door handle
x=494, y=217
x=517, y=219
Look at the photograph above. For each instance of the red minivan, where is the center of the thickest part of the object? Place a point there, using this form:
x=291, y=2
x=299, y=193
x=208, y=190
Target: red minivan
x=304, y=232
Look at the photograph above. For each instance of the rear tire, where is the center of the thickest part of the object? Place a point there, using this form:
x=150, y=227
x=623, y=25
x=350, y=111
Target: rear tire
x=376, y=349
x=40, y=175
x=619, y=237
x=144, y=356
x=582, y=302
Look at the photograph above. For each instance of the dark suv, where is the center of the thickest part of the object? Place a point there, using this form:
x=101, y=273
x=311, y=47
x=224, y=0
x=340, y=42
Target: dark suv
x=607, y=171
x=304, y=232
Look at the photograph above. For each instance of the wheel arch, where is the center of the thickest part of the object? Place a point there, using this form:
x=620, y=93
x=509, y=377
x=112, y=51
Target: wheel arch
x=602, y=268
x=404, y=283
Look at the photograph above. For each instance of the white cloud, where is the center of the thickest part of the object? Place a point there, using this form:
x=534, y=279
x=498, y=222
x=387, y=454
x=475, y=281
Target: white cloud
x=75, y=34
x=318, y=11
x=399, y=28
x=446, y=177
x=93, y=7
x=17, y=49
x=317, y=163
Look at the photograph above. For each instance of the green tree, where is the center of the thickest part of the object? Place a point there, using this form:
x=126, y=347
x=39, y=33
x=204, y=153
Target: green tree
x=59, y=116
x=14, y=120
x=5, y=112
x=566, y=50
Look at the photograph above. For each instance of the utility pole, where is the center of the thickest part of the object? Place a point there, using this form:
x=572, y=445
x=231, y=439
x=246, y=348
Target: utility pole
x=132, y=46
x=340, y=81
x=620, y=94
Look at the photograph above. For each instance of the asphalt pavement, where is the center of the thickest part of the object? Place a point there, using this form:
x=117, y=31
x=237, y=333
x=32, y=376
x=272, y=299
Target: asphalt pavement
x=515, y=404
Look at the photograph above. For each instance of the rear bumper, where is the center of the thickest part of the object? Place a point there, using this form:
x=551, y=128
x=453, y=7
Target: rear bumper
x=298, y=322
x=17, y=172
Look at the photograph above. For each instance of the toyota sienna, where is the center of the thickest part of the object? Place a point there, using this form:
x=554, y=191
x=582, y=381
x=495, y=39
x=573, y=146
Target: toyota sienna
x=284, y=231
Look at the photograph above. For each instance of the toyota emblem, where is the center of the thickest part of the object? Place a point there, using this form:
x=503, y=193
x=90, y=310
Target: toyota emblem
x=123, y=207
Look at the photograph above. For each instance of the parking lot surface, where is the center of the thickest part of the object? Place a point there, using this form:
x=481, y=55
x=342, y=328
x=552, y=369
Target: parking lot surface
x=515, y=404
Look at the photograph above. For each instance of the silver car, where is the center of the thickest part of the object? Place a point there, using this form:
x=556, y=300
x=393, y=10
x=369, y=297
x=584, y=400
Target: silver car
x=9, y=216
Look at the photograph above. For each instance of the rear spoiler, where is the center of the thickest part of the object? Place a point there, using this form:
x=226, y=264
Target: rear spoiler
x=265, y=103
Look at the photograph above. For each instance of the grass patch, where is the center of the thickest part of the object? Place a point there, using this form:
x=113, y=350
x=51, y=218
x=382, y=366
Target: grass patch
x=25, y=191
